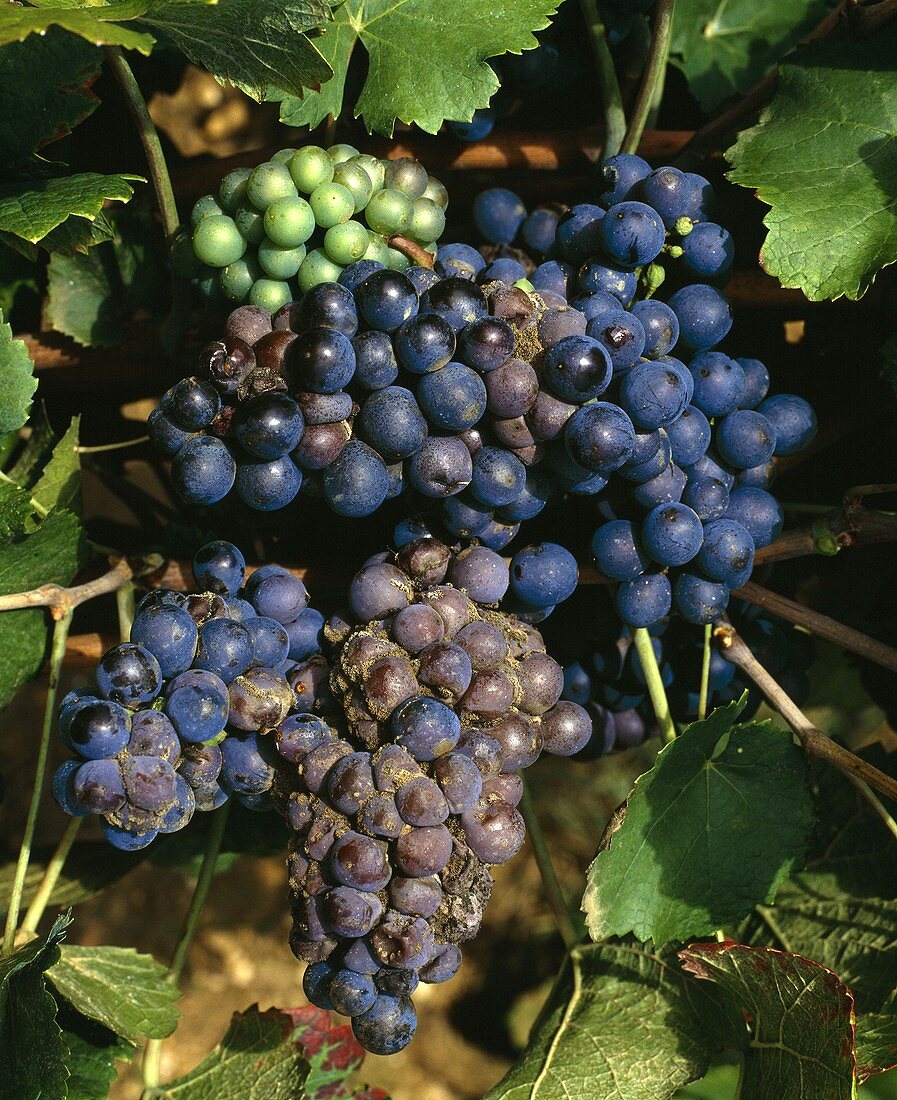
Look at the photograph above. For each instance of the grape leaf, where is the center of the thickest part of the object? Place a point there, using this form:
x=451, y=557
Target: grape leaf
x=51, y=554
x=256, y=1060
x=19, y=278
x=333, y=1054
x=620, y=1023
x=726, y=46
x=710, y=831
x=117, y=987
x=91, y=1065
x=799, y=1015
x=824, y=159
x=32, y=207
x=59, y=485
x=97, y=23
x=93, y=296
x=426, y=62
x=57, y=70
x=854, y=937
x=32, y=1053
x=90, y=868
x=36, y=452
x=16, y=510
x=252, y=44
x=876, y=1044
x=19, y=382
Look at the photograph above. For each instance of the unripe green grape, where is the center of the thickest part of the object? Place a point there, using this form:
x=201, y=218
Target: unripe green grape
x=373, y=167
x=346, y=243
x=217, y=241
x=203, y=207
x=431, y=248
x=280, y=263
x=250, y=223
x=437, y=191
x=356, y=181
x=406, y=175
x=270, y=294
x=232, y=191
x=237, y=278
x=310, y=167
x=184, y=261
x=340, y=152
x=283, y=156
x=389, y=212
x=377, y=249
x=396, y=260
x=317, y=268
x=289, y=222
x=267, y=183
x=428, y=221
x=332, y=203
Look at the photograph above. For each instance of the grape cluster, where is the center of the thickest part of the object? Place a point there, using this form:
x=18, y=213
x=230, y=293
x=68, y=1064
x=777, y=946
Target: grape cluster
x=279, y=229
x=405, y=783
x=606, y=676
x=177, y=719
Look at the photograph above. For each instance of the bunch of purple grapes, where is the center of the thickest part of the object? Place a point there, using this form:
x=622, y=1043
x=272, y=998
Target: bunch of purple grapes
x=177, y=720
x=605, y=674
x=405, y=782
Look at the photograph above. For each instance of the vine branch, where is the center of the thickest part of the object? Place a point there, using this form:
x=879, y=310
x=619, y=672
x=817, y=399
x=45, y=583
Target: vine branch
x=609, y=85
x=814, y=742
x=820, y=625
x=62, y=601
x=412, y=250
x=654, y=72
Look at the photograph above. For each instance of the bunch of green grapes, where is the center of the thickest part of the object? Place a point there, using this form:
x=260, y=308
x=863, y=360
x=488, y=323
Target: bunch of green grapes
x=274, y=231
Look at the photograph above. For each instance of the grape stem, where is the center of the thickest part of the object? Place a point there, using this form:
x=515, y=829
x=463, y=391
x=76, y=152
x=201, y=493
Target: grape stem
x=705, y=673
x=152, y=1055
x=99, y=448
x=62, y=601
x=820, y=625
x=563, y=918
x=866, y=18
x=614, y=115
x=51, y=876
x=814, y=742
x=655, y=70
x=654, y=681
x=412, y=250
x=57, y=653
x=149, y=139
x=125, y=605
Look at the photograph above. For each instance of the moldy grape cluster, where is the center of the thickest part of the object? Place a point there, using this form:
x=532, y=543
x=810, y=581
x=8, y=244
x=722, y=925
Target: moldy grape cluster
x=405, y=786
x=178, y=717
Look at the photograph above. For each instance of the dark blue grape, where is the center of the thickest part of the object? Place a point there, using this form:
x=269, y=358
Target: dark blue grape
x=543, y=574
x=375, y=360
x=537, y=233
x=665, y=488
x=356, y=481
x=425, y=343
x=459, y=261
x=270, y=425
x=98, y=786
x=704, y=315
x=672, y=534
x=268, y=486
x=599, y=437
x=164, y=434
x=327, y=305
x=617, y=550
x=129, y=674
x=698, y=600
x=498, y=477
x=621, y=335
x=719, y=383
x=645, y=600
x=203, y=470
x=454, y=398
x=441, y=468
x=321, y=360
x=759, y=512
x=169, y=633
x=486, y=343
x=197, y=705
x=660, y=324
x=219, y=567
x=387, y=299
x=225, y=648
x=456, y=300
x=355, y=274
x=620, y=175
x=392, y=423
x=670, y=192
x=63, y=790
x=653, y=395
x=632, y=234
x=498, y=214
x=597, y=277
x=192, y=404
x=708, y=251
x=388, y=1026
x=756, y=382
x=246, y=766
x=152, y=734
x=745, y=439
x=708, y=497
x=305, y=634
x=579, y=232
x=689, y=436
x=578, y=368
x=554, y=276
x=727, y=554
x=793, y=421
x=127, y=840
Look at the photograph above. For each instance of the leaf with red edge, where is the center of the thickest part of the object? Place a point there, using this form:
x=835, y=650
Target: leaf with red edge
x=799, y=1026
x=333, y=1053
x=876, y=1044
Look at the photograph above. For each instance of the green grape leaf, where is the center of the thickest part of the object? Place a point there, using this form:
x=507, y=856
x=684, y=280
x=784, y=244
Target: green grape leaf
x=620, y=1024
x=16, y=510
x=710, y=831
x=92, y=296
x=876, y=1044
x=33, y=207
x=19, y=278
x=91, y=867
x=799, y=1015
x=830, y=228
x=117, y=987
x=426, y=62
x=32, y=1053
x=252, y=44
x=97, y=23
x=19, y=383
x=59, y=485
x=93, y=1052
x=58, y=71
x=52, y=554
x=854, y=937
x=256, y=1060
x=37, y=450
x=726, y=46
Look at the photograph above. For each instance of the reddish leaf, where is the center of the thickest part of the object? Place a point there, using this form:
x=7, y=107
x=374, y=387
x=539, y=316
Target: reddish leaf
x=334, y=1054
